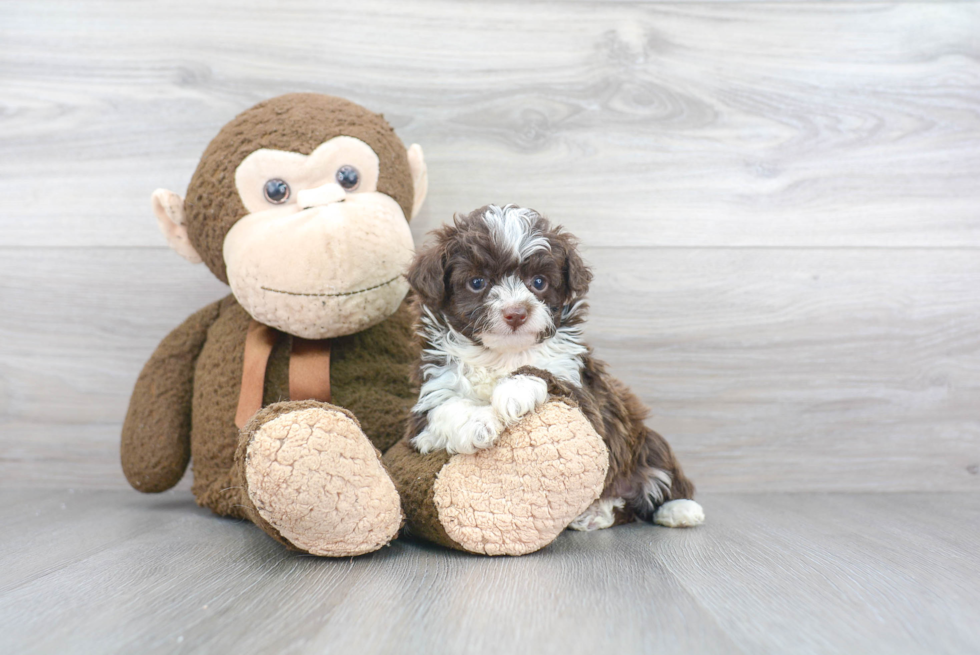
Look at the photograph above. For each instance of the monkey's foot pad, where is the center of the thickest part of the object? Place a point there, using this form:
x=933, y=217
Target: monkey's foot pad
x=315, y=477
x=517, y=496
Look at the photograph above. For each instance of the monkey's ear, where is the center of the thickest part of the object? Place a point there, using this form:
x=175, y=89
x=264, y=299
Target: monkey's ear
x=169, y=210
x=427, y=277
x=420, y=177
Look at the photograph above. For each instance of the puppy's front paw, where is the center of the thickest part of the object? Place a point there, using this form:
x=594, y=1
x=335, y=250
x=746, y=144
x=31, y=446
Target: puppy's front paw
x=427, y=441
x=479, y=431
x=515, y=396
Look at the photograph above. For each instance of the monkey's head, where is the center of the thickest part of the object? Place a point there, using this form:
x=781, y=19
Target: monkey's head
x=301, y=204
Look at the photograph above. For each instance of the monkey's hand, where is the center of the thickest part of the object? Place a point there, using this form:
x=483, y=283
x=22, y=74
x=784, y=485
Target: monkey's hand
x=516, y=395
x=156, y=434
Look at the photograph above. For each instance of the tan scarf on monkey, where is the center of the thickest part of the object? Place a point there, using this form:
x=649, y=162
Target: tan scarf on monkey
x=309, y=370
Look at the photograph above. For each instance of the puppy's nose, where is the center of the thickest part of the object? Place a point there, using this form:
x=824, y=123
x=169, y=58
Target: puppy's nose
x=515, y=315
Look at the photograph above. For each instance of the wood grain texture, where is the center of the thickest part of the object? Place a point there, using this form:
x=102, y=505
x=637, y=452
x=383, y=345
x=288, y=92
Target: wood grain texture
x=803, y=124
x=780, y=200
x=766, y=369
x=801, y=369
x=799, y=573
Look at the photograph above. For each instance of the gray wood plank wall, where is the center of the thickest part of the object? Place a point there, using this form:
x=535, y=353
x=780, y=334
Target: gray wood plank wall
x=781, y=201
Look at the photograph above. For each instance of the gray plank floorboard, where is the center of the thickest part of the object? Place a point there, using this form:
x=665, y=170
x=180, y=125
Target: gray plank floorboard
x=833, y=572
x=768, y=573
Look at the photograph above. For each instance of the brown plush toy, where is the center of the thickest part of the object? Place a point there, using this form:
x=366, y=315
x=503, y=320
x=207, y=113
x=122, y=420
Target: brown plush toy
x=287, y=392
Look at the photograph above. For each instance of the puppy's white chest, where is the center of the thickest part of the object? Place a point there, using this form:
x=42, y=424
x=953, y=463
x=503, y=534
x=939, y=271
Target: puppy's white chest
x=483, y=380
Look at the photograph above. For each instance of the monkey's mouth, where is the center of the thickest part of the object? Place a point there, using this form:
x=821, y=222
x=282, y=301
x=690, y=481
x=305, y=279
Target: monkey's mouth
x=333, y=295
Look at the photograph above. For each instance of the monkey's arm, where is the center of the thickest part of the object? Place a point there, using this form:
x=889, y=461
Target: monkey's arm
x=155, y=445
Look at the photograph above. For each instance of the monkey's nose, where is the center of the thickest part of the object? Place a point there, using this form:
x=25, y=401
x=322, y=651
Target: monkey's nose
x=321, y=195
x=515, y=316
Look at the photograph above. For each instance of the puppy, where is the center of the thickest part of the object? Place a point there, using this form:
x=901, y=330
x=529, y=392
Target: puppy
x=501, y=302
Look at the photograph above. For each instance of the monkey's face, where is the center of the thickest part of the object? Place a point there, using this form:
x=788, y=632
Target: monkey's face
x=321, y=253
x=301, y=204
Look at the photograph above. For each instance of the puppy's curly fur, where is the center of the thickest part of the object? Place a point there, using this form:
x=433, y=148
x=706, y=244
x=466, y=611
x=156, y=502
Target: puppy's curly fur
x=500, y=295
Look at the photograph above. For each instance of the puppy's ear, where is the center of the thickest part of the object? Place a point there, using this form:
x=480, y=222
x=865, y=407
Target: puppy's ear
x=427, y=275
x=576, y=275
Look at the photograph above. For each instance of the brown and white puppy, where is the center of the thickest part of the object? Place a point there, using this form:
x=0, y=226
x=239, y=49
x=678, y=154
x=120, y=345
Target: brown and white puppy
x=501, y=297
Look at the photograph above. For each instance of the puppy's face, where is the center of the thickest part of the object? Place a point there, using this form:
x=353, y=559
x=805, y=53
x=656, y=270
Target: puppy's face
x=501, y=276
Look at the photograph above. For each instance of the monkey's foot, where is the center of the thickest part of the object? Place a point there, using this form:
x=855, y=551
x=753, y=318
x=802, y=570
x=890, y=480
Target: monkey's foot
x=316, y=480
x=516, y=497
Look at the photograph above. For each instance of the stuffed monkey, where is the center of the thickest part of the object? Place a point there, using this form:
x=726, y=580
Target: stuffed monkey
x=287, y=392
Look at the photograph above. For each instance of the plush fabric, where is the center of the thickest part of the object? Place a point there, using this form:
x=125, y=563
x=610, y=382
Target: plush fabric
x=156, y=433
x=187, y=396
x=516, y=497
x=169, y=210
x=259, y=342
x=369, y=377
x=298, y=122
x=306, y=171
x=341, y=286
x=415, y=475
x=513, y=498
x=307, y=469
x=309, y=369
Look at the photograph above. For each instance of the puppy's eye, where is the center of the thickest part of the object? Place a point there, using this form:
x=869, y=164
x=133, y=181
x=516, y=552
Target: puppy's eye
x=348, y=177
x=539, y=283
x=276, y=191
x=477, y=284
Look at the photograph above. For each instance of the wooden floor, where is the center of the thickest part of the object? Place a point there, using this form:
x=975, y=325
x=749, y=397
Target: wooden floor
x=114, y=571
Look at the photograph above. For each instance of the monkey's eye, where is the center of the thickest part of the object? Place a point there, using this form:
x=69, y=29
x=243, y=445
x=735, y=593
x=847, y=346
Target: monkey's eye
x=348, y=177
x=276, y=191
x=539, y=283
x=477, y=284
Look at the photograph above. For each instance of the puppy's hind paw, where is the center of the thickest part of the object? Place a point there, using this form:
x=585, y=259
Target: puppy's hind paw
x=600, y=515
x=515, y=396
x=679, y=514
